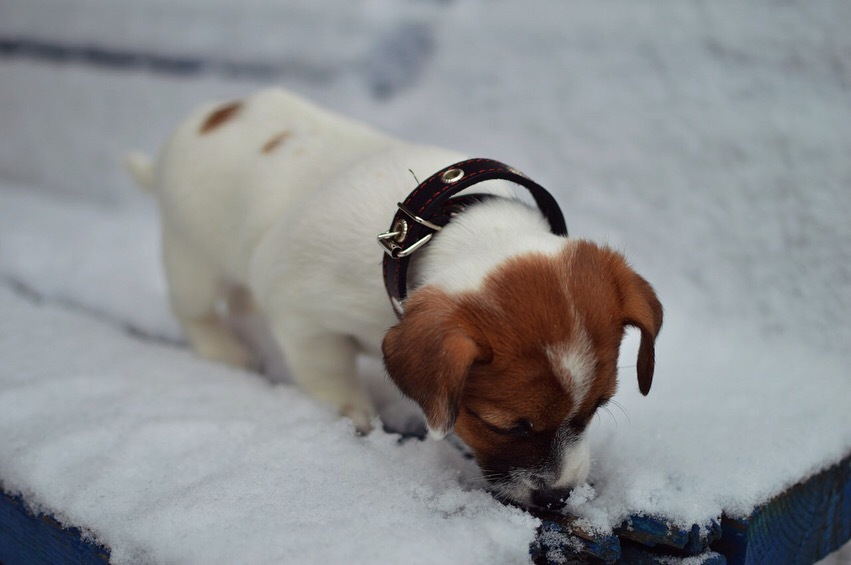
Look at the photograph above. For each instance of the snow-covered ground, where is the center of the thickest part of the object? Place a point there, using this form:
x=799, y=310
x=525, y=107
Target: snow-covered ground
x=708, y=141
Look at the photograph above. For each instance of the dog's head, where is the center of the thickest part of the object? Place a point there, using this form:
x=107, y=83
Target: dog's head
x=518, y=367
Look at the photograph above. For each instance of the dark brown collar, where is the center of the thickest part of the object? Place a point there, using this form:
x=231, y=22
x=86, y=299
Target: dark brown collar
x=430, y=207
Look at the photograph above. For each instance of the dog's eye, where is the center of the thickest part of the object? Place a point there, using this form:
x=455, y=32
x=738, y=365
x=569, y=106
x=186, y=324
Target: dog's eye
x=521, y=428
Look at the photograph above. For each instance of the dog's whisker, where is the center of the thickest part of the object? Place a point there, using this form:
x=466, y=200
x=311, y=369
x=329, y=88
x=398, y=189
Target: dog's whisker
x=609, y=412
x=622, y=409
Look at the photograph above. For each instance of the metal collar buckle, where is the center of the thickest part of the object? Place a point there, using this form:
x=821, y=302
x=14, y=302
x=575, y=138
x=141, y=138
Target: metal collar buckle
x=391, y=241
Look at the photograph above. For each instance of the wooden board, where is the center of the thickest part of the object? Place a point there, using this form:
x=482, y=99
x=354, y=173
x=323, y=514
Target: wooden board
x=26, y=539
x=802, y=525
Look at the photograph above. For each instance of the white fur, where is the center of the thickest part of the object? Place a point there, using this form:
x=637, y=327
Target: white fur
x=483, y=238
x=573, y=364
x=575, y=463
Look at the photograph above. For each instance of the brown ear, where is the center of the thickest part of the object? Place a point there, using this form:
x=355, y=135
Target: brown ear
x=428, y=355
x=642, y=310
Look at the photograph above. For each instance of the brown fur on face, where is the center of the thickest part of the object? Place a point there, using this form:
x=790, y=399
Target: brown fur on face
x=479, y=361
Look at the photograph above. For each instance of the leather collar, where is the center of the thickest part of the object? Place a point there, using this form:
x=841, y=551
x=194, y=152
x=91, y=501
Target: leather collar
x=431, y=206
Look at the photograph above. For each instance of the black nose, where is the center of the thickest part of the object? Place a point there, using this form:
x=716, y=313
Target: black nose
x=552, y=499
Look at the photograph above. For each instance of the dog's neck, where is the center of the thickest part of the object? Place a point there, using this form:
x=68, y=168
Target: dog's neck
x=478, y=240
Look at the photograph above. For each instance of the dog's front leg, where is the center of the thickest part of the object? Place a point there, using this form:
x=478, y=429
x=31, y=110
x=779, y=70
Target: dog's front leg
x=325, y=366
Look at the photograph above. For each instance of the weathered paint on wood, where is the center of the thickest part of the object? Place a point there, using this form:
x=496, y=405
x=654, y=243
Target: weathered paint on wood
x=805, y=523
x=559, y=536
x=636, y=554
x=652, y=532
x=561, y=540
x=26, y=539
x=802, y=525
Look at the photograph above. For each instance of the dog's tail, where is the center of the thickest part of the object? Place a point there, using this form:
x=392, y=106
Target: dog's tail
x=142, y=169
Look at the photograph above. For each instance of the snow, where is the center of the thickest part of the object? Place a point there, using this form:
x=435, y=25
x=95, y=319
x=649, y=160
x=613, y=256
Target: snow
x=709, y=142
x=694, y=560
x=840, y=557
x=110, y=267
x=169, y=459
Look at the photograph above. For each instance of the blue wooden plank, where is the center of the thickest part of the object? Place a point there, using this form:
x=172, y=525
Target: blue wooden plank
x=734, y=540
x=647, y=530
x=653, y=531
x=560, y=540
x=802, y=525
x=637, y=554
x=806, y=522
x=26, y=539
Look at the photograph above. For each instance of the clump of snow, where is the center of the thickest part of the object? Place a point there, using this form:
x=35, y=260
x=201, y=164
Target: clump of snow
x=560, y=548
x=709, y=556
x=579, y=496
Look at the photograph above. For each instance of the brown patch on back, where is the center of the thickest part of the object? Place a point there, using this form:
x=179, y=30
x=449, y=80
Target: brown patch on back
x=275, y=141
x=219, y=116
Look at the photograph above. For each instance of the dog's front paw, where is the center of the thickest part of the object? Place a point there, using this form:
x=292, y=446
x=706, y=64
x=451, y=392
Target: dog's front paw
x=361, y=417
x=232, y=353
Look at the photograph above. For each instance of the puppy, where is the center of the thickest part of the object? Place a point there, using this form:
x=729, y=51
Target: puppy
x=509, y=336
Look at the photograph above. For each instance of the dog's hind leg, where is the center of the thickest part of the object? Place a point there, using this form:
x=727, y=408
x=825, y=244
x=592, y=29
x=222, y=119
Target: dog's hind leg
x=197, y=295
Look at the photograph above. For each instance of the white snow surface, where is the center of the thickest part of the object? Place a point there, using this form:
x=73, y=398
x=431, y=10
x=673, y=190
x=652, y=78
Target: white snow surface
x=168, y=459
x=708, y=141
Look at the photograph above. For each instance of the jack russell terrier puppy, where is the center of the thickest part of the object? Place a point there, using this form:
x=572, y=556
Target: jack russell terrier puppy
x=509, y=336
